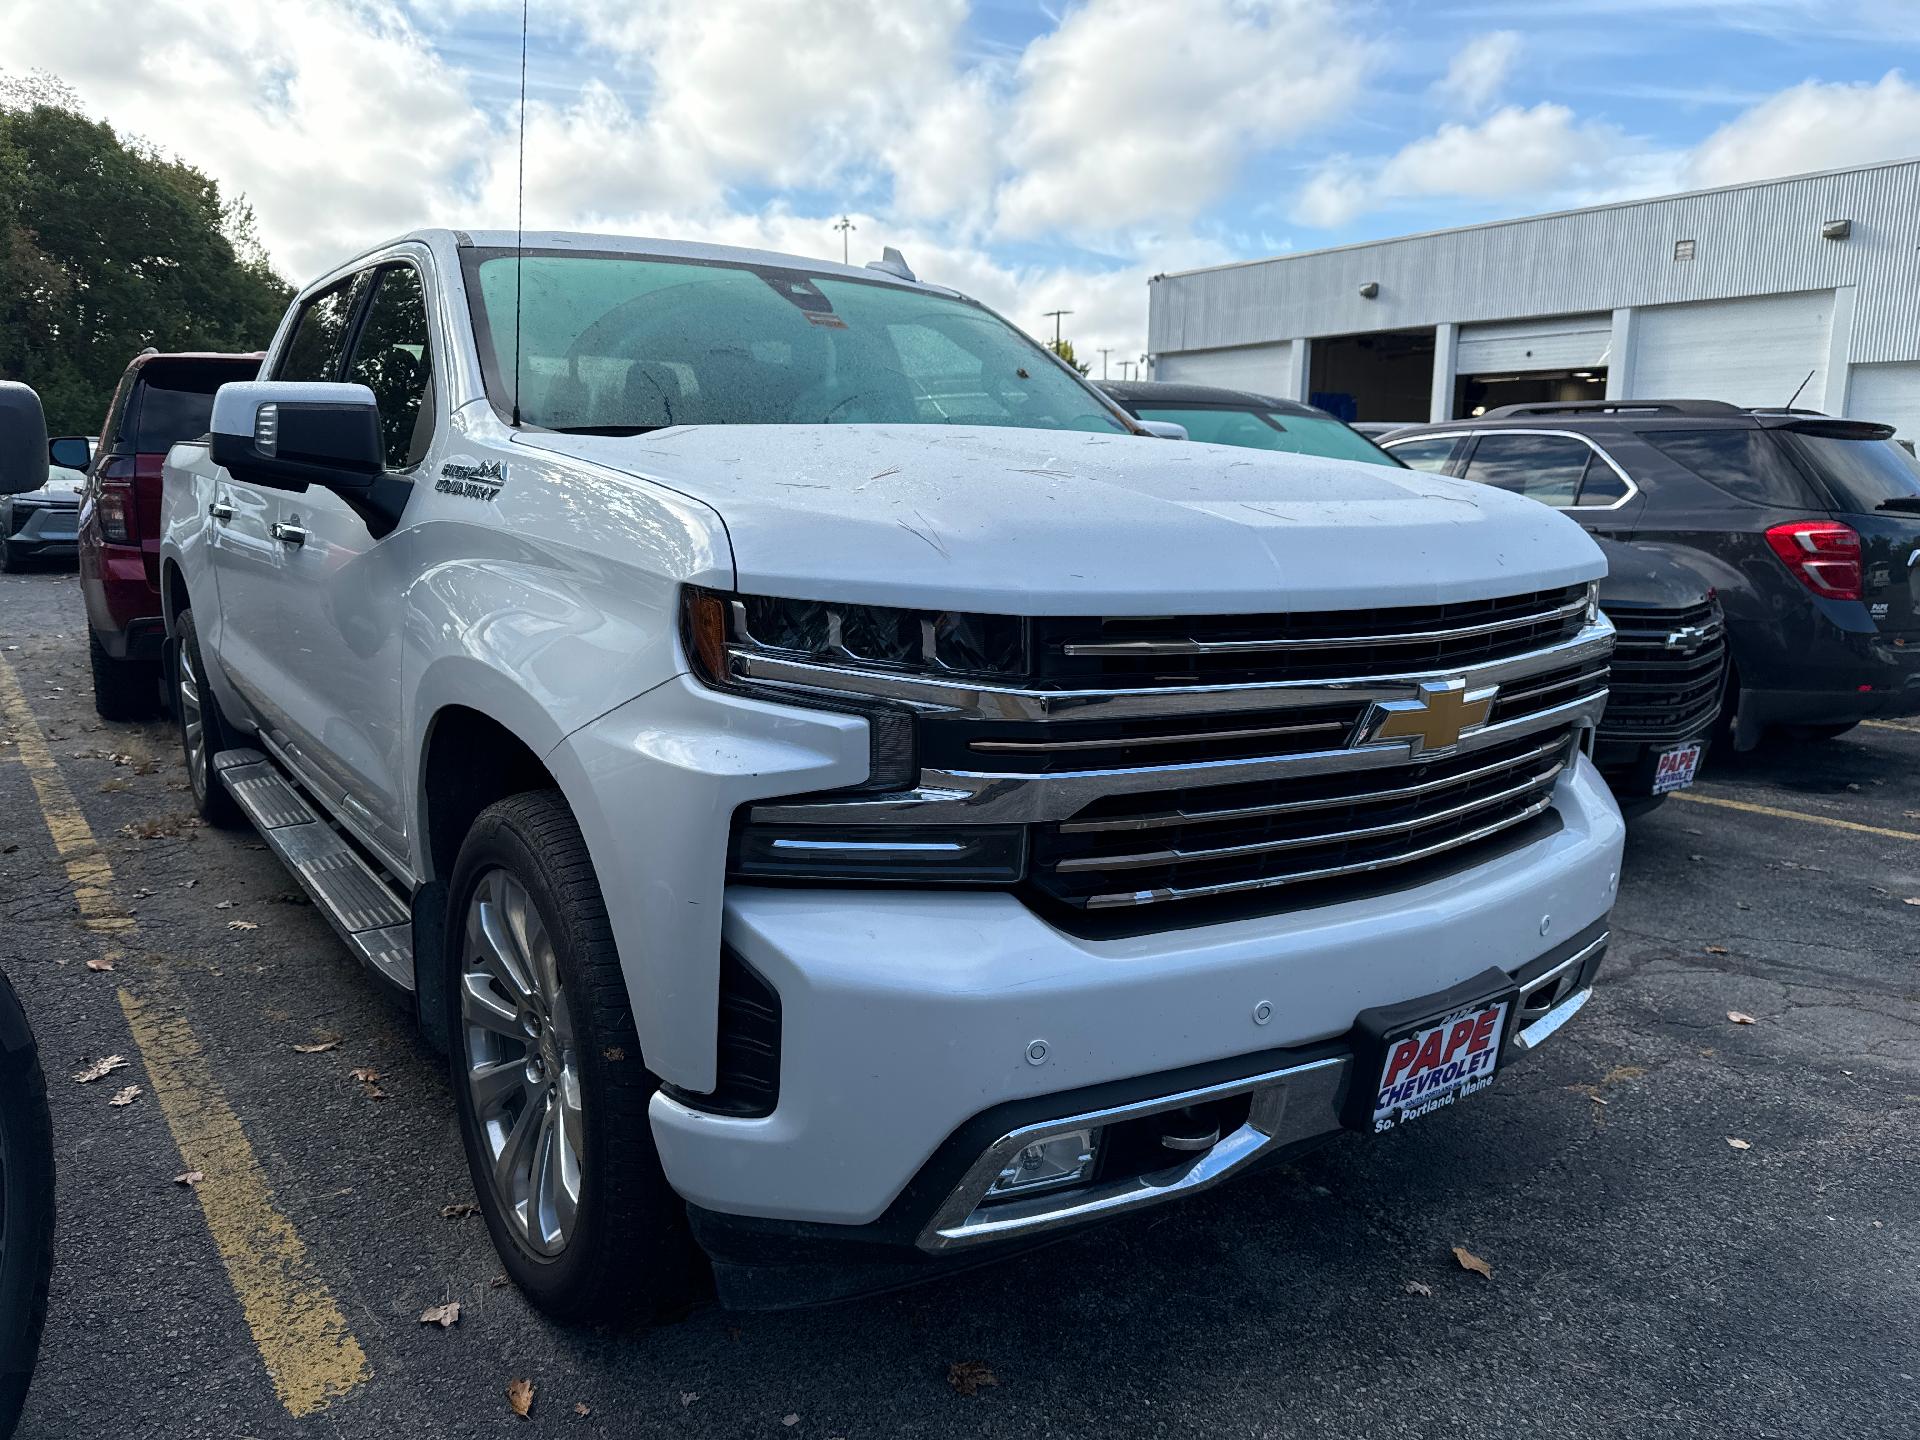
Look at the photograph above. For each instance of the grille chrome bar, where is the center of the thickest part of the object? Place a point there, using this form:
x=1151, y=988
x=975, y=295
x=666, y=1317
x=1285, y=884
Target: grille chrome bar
x=1300, y=842
x=1128, y=742
x=1164, y=818
x=1165, y=893
x=1123, y=648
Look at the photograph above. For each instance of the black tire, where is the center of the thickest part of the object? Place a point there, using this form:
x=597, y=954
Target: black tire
x=192, y=697
x=628, y=1254
x=26, y=1206
x=122, y=689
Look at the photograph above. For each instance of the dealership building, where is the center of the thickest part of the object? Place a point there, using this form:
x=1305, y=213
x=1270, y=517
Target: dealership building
x=1748, y=294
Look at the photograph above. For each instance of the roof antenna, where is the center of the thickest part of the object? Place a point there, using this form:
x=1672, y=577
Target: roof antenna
x=1797, y=389
x=520, y=216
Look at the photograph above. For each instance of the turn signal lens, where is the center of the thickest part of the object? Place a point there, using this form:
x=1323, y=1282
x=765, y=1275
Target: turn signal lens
x=1822, y=554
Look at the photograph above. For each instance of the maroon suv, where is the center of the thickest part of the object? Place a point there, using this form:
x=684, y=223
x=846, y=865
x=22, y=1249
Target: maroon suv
x=161, y=400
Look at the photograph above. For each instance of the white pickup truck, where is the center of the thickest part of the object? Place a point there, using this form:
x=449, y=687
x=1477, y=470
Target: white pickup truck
x=847, y=800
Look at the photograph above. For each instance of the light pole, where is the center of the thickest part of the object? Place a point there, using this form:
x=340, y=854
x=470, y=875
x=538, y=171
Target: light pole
x=845, y=227
x=1104, y=352
x=1054, y=315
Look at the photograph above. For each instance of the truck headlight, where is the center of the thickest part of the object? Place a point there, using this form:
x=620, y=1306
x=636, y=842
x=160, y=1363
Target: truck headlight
x=936, y=643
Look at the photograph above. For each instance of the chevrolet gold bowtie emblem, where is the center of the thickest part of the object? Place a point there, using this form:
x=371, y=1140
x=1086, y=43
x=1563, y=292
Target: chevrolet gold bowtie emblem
x=1435, y=722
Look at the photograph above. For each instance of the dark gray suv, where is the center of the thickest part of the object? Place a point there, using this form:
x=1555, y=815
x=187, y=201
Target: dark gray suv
x=1808, y=528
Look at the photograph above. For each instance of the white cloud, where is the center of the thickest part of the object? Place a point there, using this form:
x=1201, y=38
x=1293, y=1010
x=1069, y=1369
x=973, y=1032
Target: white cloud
x=1539, y=152
x=1479, y=70
x=1128, y=112
x=1813, y=126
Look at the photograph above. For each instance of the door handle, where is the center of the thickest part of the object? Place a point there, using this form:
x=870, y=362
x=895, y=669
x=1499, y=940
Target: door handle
x=289, y=534
x=220, y=510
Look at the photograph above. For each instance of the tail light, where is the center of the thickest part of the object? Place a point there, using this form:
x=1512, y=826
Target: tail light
x=115, y=509
x=1822, y=554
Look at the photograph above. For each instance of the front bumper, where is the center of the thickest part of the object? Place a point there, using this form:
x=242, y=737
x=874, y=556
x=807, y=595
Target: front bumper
x=42, y=529
x=909, y=1015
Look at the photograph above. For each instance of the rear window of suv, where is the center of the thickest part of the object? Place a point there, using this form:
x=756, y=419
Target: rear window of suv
x=1862, y=473
x=1747, y=463
x=175, y=402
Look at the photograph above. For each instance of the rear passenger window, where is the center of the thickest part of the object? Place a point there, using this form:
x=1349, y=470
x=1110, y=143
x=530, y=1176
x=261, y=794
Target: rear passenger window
x=393, y=359
x=319, y=340
x=1603, y=485
x=1429, y=455
x=1745, y=463
x=1547, y=468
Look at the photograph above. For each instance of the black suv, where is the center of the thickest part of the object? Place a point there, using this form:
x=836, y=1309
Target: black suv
x=1808, y=528
x=1239, y=417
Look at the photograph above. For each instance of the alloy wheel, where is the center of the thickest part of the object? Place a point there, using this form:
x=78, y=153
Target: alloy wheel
x=193, y=727
x=522, y=1069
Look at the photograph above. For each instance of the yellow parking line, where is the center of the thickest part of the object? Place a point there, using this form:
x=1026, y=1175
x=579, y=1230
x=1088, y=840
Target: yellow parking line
x=310, y=1353
x=1892, y=725
x=1777, y=813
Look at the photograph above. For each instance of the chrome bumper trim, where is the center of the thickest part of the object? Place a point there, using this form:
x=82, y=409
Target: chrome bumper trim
x=1298, y=1102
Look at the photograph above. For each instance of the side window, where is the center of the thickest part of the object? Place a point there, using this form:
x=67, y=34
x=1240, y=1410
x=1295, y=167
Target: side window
x=319, y=339
x=1742, y=462
x=1603, y=485
x=1546, y=468
x=1431, y=455
x=393, y=358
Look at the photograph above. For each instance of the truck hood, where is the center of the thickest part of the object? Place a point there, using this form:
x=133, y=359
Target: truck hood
x=1050, y=522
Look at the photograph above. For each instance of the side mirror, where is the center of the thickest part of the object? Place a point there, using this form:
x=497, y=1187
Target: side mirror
x=72, y=451
x=288, y=435
x=1164, y=429
x=23, y=439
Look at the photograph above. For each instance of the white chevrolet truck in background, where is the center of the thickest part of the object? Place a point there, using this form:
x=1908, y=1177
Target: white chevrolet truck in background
x=845, y=799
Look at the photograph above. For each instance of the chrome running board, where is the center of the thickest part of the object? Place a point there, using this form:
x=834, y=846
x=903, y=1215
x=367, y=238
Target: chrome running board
x=362, y=907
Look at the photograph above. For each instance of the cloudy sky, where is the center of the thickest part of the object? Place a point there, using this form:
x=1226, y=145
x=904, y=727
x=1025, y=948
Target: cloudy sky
x=1039, y=155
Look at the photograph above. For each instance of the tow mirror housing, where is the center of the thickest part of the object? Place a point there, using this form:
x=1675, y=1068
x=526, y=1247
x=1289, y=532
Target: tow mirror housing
x=1164, y=429
x=287, y=435
x=23, y=439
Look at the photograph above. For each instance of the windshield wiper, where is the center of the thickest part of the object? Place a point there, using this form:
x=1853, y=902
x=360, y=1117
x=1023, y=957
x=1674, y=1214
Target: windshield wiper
x=606, y=429
x=1907, y=503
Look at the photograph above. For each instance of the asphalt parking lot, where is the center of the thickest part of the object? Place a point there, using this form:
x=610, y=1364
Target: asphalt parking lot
x=1649, y=1277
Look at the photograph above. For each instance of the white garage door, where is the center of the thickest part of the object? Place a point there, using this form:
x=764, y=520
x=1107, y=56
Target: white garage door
x=1264, y=368
x=1746, y=352
x=1889, y=394
x=1564, y=342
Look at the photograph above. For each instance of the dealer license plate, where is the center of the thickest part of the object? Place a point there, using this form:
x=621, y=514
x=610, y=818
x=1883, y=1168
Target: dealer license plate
x=1675, y=768
x=1430, y=1066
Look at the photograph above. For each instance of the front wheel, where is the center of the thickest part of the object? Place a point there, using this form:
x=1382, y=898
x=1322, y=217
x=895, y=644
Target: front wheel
x=203, y=729
x=547, y=1076
x=26, y=1206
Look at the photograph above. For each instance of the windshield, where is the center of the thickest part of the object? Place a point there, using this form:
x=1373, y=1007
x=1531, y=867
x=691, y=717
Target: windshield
x=1863, y=474
x=622, y=344
x=1268, y=430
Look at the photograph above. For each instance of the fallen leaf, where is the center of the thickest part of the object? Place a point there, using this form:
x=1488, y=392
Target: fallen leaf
x=687, y=1397
x=789, y=1420
x=1739, y=1144
x=1415, y=1287
x=1718, y=950
x=459, y=1211
x=318, y=1047
x=126, y=1096
x=614, y=1052
x=224, y=905
x=1740, y=1017
x=98, y=1069
x=1911, y=900
x=580, y=1407
x=967, y=1376
x=115, y=785
x=241, y=925
x=189, y=1179
x=445, y=1316
x=365, y=1074
x=520, y=1397
x=100, y=965
x=1470, y=1261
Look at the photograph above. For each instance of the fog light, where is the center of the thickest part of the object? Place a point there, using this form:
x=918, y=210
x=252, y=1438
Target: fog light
x=1047, y=1164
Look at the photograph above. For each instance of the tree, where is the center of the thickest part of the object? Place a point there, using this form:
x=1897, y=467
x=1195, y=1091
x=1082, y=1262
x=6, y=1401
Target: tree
x=1064, y=349
x=108, y=246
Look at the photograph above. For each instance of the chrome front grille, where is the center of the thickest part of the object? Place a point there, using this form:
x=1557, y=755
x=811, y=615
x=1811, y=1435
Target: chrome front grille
x=1222, y=841
x=1669, y=669
x=1149, y=790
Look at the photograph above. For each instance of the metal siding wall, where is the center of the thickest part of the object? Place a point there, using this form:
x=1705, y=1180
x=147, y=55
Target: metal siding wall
x=1889, y=394
x=1262, y=368
x=1752, y=240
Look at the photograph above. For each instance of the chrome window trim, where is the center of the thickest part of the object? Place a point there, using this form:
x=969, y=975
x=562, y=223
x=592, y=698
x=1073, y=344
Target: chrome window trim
x=1586, y=440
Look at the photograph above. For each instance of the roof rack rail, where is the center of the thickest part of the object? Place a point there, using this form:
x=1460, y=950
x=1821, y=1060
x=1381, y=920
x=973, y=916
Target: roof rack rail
x=1616, y=407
